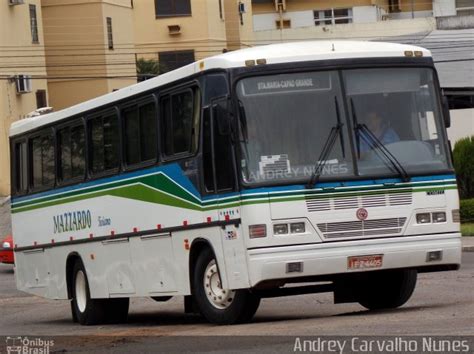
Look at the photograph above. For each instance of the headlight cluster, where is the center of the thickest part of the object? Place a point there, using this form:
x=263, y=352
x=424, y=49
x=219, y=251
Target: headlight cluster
x=428, y=218
x=260, y=230
x=292, y=228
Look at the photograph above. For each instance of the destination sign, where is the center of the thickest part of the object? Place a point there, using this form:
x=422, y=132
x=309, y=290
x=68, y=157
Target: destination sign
x=287, y=83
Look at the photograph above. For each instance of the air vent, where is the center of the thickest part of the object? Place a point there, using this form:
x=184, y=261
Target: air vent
x=400, y=198
x=346, y=203
x=363, y=228
x=318, y=203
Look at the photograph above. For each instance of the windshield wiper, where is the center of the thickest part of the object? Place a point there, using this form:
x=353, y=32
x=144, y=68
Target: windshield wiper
x=327, y=148
x=373, y=141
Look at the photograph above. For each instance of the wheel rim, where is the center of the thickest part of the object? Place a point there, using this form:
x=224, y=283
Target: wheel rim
x=219, y=298
x=81, y=291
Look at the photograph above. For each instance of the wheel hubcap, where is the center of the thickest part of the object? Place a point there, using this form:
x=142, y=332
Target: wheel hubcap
x=81, y=293
x=217, y=296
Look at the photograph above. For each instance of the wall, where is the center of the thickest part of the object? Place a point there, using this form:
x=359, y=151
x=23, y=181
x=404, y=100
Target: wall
x=18, y=56
x=78, y=53
x=462, y=124
x=203, y=31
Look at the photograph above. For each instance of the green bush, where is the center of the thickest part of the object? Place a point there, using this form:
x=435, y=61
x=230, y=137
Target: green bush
x=467, y=210
x=463, y=155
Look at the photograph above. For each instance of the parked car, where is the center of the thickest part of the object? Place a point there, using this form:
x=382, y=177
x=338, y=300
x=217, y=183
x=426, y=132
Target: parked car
x=6, y=250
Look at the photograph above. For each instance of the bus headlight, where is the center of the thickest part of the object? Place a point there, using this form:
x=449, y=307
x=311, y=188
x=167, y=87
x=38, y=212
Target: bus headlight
x=280, y=229
x=297, y=228
x=423, y=218
x=439, y=217
x=258, y=231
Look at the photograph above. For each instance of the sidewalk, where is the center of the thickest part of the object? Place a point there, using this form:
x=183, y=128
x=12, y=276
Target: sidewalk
x=468, y=243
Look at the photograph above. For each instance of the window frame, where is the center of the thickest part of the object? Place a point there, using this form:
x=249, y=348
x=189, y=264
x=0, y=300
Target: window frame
x=110, y=34
x=195, y=90
x=33, y=24
x=41, y=133
x=140, y=102
x=72, y=124
x=173, y=14
x=14, y=167
x=322, y=21
x=101, y=114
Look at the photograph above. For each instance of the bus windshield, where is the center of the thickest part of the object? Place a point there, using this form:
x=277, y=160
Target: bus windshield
x=286, y=119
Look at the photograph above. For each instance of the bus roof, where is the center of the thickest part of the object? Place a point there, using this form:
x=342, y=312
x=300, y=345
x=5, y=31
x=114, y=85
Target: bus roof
x=273, y=54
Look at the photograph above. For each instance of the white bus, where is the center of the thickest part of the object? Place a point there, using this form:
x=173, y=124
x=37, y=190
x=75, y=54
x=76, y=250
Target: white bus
x=271, y=171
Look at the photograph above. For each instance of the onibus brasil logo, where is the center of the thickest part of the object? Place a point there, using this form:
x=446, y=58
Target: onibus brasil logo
x=25, y=345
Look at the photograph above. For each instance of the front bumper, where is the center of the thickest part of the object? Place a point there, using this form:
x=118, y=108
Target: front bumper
x=331, y=258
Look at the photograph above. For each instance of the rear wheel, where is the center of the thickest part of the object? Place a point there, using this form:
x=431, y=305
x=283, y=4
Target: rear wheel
x=88, y=311
x=217, y=304
x=386, y=290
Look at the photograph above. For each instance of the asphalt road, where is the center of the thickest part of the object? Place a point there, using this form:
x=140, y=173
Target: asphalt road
x=443, y=304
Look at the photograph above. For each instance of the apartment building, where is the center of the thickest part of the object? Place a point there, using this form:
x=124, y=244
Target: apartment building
x=177, y=32
x=89, y=48
x=23, y=86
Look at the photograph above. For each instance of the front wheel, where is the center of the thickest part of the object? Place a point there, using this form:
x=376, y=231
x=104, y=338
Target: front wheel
x=386, y=290
x=88, y=311
x=217, y=304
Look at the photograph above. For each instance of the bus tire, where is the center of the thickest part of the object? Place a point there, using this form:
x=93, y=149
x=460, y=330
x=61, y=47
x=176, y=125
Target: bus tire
x=116, y=310
x=387, y=290
x=85, y=310
x=217, y=305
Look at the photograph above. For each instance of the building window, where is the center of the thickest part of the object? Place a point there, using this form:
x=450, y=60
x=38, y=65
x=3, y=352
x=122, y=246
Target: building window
x=71, y=149
x=34, y=24
x=42, y=161
x=332, y=16
x=110, y=37
x=221, y=12
x=173, y=60
x=41, y=100
x=393, y=6
x=283, y=24
x=104, y=143
x=140, y=133
x=167, y=8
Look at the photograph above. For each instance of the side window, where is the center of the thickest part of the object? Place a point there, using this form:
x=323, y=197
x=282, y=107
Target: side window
x=104, y=143
x=42, y=161
x=21, y=170
x=71, y=152
x=180, y=117
x=140, y=133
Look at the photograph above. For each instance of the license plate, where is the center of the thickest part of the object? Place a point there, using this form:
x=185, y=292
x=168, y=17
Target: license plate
x=365, y=262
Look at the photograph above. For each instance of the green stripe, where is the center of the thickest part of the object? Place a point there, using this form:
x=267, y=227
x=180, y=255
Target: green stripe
x=160, y=189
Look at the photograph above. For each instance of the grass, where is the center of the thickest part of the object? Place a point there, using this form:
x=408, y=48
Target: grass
x=467, y=229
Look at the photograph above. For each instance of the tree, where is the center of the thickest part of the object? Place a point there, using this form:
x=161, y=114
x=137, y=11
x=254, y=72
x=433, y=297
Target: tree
x=147, y=68
x=463, y=155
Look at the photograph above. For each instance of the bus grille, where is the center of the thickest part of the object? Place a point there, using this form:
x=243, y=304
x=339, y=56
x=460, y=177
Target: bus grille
x=362, y=228
x=317, y=203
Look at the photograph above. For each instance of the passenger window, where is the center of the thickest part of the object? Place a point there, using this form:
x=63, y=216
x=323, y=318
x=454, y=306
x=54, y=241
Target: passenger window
x=180, y=119
x=71, y=146
x=21, y=176
x=104, y=133
x=42, y=159
x=140, y=133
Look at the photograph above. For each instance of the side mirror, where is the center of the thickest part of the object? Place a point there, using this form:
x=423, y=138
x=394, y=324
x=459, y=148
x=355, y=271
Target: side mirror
x=221, y=115
x=446, y=112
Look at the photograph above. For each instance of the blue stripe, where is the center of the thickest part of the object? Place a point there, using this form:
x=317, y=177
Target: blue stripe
x=175, y=173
